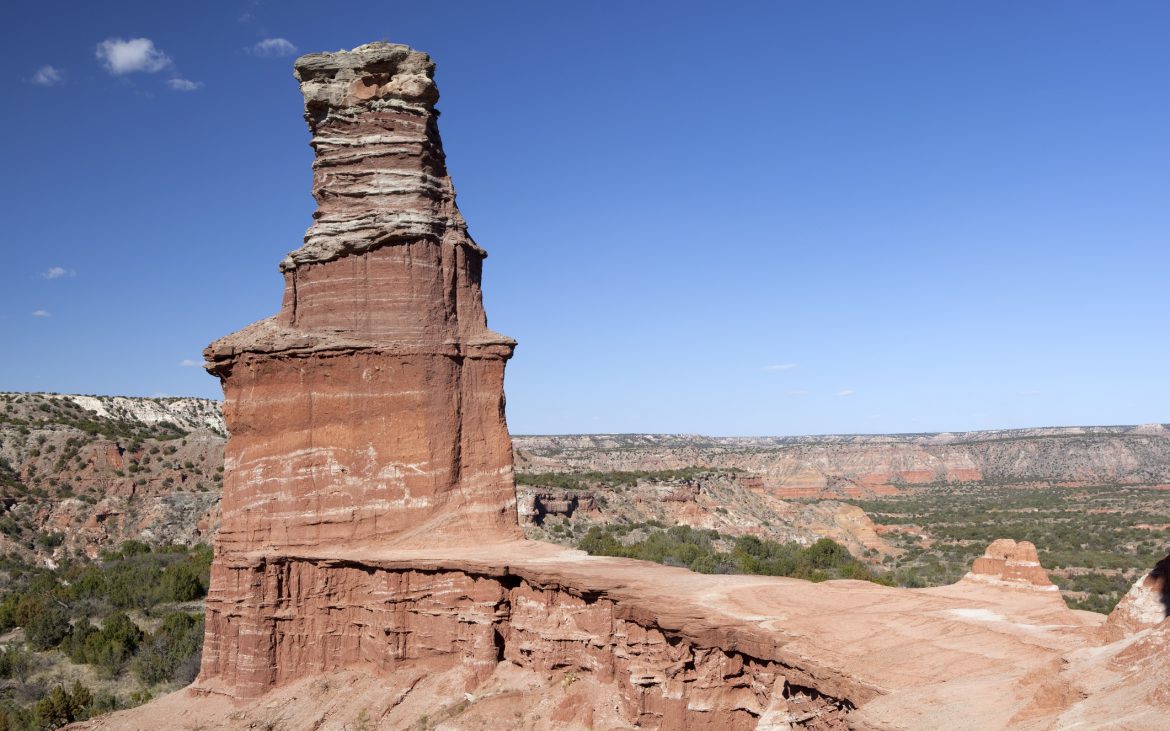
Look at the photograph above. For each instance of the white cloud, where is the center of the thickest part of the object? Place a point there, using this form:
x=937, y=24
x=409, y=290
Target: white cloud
x=41, y=313
x=137, y=54
x=48, y=76
x=58, y=272
x=188, y=363
x=781, y=367
x=183, y=84
x=274, y=47
x=845, y=392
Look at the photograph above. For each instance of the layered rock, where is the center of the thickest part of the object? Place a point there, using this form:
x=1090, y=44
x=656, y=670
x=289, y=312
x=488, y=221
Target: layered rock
x=1011, y=563
x=371, y=407
x=334, y=614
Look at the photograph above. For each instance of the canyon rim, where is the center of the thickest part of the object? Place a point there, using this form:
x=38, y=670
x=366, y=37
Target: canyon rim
x=370, y=571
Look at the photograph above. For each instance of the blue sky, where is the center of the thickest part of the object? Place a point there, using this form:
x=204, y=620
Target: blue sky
x=725, y=218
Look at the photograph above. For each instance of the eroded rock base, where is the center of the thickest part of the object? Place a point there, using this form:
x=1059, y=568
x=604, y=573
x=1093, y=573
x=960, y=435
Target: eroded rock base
x=289, y=618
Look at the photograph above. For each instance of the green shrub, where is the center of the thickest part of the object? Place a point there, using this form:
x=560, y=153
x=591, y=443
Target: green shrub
x=15, y=663
x=47, y=628
x=172, y=653
x=61, y=707
x=698, y=550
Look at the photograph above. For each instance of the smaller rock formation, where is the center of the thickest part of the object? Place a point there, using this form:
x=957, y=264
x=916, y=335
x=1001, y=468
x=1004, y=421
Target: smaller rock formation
x=534, y=506
x=1010, y=563
x=1146, y=605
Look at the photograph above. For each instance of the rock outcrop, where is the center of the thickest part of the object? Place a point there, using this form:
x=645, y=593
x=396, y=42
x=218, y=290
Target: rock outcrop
x=1010, y=563
x=1145, y=605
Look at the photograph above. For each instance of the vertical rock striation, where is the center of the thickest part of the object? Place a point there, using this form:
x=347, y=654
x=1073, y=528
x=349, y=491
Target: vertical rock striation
x=371, y=408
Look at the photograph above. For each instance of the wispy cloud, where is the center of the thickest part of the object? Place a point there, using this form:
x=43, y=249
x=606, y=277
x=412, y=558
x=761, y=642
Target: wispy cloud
x=58, y=272
x=183, y=84
x=781, y=367
x=248, y=14
x=41, y=313
x=188, y=363
x=137, y=54
x=48, y=76
x=274, y=48
x=845, y=392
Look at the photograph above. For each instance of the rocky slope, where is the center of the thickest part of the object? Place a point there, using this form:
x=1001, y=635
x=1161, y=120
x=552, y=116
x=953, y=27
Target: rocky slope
x=731, y=503
x=78, y=473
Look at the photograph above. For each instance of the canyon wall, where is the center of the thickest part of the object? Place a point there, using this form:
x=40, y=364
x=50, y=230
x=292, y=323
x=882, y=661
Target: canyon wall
x=867, y=465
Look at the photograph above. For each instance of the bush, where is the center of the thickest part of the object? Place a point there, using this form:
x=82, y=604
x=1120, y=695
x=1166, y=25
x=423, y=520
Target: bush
x=47, y=628
x=15, y=663
x=172, y=653
x=62, y=706
x=682, y=545
x=181, y=583
x=111, y=647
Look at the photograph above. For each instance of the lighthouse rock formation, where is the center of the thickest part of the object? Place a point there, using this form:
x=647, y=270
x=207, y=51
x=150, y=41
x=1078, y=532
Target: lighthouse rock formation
x=370, y=573
x=372, y=406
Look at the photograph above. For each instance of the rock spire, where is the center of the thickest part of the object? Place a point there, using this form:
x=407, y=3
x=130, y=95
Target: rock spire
x=371, y=408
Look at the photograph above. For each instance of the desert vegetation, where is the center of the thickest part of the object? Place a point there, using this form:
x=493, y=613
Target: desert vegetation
x=709, y=552
x=90, y=636
x=1094, y=541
